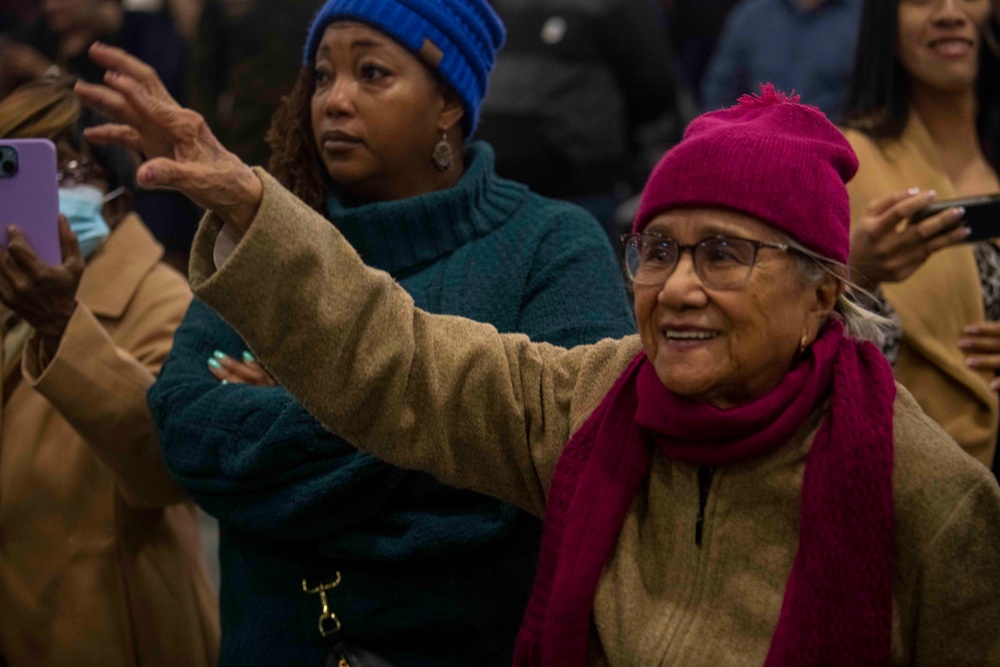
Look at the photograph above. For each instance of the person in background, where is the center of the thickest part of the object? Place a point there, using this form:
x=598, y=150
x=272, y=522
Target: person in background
x=925, y=123
x=56, y=44
x=15, y=14
x=802, y=45
x=694, y=27
x=741, y=483
x=100, y=562
x=583, y=99
x=246, y=54
x=375, y=137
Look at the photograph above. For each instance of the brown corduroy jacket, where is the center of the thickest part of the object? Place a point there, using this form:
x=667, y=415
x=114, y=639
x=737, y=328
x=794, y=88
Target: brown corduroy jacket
x=99, y=553
x=492, y=412
x=934, y=303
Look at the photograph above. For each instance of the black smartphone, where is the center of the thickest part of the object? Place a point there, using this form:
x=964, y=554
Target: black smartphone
x=982, y=215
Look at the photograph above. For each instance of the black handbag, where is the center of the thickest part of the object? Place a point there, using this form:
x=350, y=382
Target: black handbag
x=346, y=655
x=341, y=652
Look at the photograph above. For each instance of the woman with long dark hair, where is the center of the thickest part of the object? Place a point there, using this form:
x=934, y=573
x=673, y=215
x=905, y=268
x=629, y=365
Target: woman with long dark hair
x=925, y=122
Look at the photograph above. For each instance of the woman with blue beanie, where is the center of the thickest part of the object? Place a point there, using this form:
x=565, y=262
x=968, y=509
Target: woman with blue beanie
x=374, y=137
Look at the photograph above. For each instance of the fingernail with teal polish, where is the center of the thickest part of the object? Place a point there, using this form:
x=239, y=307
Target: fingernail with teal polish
x=214, y=363
x=219, y=355
x=248, y=357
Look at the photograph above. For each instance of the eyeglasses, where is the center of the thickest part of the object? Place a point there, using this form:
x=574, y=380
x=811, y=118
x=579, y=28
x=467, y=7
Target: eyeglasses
x=721, y=262
x=74, y=172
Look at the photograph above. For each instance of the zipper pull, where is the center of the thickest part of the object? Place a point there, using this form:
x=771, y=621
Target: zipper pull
x=705, y=474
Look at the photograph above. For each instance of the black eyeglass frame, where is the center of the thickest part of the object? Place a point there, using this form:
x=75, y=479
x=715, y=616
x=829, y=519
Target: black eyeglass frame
x=631, y=240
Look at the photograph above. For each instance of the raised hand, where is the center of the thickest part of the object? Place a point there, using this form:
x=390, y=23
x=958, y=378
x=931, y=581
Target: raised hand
x=180, y=149
x=886, y=248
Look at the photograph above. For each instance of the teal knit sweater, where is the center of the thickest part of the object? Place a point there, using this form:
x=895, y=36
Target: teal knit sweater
x=430, y=575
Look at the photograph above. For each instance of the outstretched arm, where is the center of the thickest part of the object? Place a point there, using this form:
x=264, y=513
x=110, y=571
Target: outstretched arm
x=475, y=408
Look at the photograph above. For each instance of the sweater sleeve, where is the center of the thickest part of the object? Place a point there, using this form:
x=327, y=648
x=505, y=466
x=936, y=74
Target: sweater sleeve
x=575, y=291
x=475, y=408
x=253, y=456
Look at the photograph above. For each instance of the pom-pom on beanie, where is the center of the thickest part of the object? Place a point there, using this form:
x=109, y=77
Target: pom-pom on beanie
x=458, y=39
x=769, y=157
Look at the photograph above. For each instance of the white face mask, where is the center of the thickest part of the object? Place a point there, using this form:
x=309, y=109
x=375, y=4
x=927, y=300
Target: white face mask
x=82, y=205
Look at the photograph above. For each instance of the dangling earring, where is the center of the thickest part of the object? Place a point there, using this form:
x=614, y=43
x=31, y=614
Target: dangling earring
x=803, y=342
x=442, y=156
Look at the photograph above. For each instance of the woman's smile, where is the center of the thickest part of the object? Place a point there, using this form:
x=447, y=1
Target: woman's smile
x=952, y=48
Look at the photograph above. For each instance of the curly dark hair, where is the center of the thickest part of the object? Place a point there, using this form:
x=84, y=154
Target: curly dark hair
x=290, y=140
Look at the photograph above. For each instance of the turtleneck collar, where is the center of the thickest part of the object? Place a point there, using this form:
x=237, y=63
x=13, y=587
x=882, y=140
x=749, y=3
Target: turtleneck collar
x=401, y=235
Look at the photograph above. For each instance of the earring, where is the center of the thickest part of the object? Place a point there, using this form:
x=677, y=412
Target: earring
x=442, y=156
x=803, y=342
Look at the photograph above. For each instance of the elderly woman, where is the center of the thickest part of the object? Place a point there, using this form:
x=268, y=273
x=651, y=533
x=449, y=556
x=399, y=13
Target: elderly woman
x=100, y=562
x=924, y=120
x=373, y=137
x=742, y=483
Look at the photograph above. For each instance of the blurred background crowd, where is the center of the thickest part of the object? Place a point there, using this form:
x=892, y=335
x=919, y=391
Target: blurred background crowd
x=584, y=99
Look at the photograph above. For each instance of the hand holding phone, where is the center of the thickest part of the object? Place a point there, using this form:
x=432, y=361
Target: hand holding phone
x=982, y=215
x=40, y=263
x=29, y=195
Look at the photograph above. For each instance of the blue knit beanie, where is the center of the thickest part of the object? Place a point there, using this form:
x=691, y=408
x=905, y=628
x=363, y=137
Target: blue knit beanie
x=466, y=34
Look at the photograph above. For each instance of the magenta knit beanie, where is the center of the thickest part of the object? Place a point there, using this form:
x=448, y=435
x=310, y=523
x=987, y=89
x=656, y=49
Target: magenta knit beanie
x=767, y=156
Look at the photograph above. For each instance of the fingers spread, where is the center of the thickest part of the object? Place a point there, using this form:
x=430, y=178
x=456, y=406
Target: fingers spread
x=109, y=133
x=119, y=60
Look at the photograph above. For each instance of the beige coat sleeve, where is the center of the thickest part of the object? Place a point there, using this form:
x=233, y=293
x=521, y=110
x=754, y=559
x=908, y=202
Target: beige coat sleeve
x=441, y=394
x=99, y=387
x=957, y=584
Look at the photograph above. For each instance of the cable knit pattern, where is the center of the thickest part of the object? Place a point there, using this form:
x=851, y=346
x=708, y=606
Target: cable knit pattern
x=294, y=500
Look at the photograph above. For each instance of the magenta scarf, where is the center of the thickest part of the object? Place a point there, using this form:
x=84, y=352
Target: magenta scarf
x=837, y=607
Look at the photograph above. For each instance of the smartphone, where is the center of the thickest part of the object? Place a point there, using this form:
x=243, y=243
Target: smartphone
x=29, y=195
x=982, y=215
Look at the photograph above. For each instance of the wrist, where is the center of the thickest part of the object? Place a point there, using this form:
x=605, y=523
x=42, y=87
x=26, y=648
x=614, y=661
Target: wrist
x=250, y=192
x=52, y=330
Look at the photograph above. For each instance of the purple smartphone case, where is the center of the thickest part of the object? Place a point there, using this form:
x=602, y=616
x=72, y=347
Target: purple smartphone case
x=30, y=198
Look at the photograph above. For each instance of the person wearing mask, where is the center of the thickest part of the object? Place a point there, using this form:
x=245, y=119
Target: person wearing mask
x=925, y=122
x=100, y=562
x=375, y=137
x=741, y=483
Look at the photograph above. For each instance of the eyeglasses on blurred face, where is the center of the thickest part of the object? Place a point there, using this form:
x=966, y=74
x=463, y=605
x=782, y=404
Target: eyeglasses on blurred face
x=720, y=262
x=74, y=172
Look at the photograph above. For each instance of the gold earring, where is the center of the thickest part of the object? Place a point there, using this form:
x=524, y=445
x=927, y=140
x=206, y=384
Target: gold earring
x=442, y=156
x=803, y=342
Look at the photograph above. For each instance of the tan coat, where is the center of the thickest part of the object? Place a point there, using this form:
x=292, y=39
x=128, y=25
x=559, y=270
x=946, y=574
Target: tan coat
x=933, y=304
x=492, y=412
x=99, y=555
